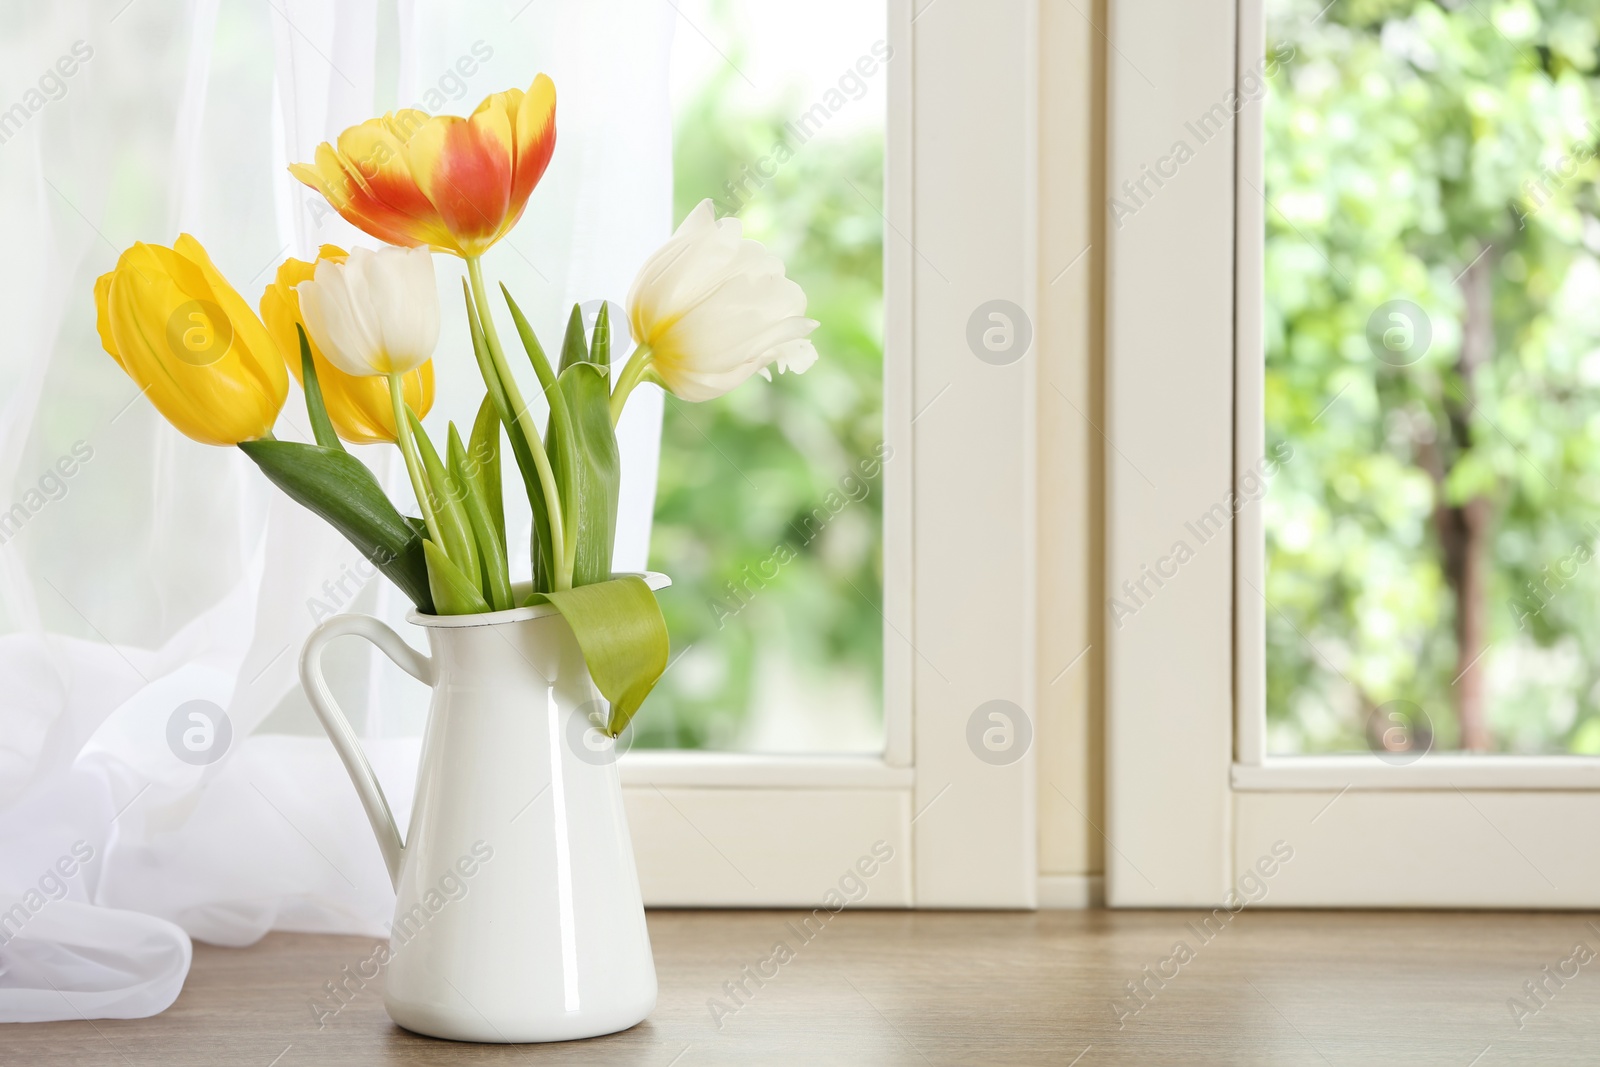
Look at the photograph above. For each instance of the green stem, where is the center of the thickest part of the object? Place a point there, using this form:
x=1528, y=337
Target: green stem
x=633, y=373
x=524, y=418
x=408, y=449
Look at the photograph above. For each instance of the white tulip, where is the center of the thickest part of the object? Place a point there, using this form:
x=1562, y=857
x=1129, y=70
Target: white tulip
x=710, y=308
x=375, y=313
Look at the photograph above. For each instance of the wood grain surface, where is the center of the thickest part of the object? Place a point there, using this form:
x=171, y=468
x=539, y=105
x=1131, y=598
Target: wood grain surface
x=1268, y=987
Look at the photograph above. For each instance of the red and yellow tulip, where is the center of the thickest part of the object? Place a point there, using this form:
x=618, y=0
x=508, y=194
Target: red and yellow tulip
x=454, y=184
x=358, y=405
x=180, y=331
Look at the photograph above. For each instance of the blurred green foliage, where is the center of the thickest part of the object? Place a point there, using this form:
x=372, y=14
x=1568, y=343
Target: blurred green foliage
x=1416, y=150
x=741, y=475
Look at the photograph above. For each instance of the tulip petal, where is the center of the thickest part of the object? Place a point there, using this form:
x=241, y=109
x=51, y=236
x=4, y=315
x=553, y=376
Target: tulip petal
x=535, y=130
x=251, y=341
x=361, y=276
x=325, y=304
x=102, y=317
x=646, y=300
x=795, y=357
x=389, y=191
x=742, y=319
x=710, y=256
x=368, y=180
x=465, y=168
x=404, y=297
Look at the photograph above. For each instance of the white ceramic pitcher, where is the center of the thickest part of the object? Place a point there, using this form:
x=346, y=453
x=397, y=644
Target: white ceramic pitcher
x=517, y=912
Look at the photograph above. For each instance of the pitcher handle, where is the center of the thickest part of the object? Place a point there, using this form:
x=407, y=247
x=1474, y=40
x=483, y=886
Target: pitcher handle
x=338, y=728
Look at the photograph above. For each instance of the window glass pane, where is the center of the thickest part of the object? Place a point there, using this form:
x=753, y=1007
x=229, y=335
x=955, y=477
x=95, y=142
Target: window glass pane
x=1433, y=377
x=769, y=508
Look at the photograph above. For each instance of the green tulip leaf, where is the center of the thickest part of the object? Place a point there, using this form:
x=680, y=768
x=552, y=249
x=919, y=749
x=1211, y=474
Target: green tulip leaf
x=321, y=426
x=539, y=546
x=573, y=347
x=496, y=579
x=600, y=342
x=591, y=496
x=337, y=486
x=619, y=627
x=446, y=496
x=559, y=440
x=453, y=592
x=484, y=448
x=583, y=446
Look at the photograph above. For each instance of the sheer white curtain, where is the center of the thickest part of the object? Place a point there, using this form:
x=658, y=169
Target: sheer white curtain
x=144, y=578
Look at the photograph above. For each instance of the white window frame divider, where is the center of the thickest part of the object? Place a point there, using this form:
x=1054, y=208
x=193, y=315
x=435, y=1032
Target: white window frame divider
x=1193, y=799
x=959, y=206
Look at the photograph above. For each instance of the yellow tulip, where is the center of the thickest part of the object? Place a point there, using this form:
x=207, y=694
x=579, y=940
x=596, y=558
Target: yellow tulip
x=454, y=184
x=181, y=332
x=358, y=405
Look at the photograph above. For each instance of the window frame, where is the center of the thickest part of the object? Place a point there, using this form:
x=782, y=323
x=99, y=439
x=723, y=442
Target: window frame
x=1193, y=799
x=726, y=829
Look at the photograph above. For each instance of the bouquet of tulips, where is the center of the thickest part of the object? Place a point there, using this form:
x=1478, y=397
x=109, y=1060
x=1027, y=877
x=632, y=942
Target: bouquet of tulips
x=358, y=330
